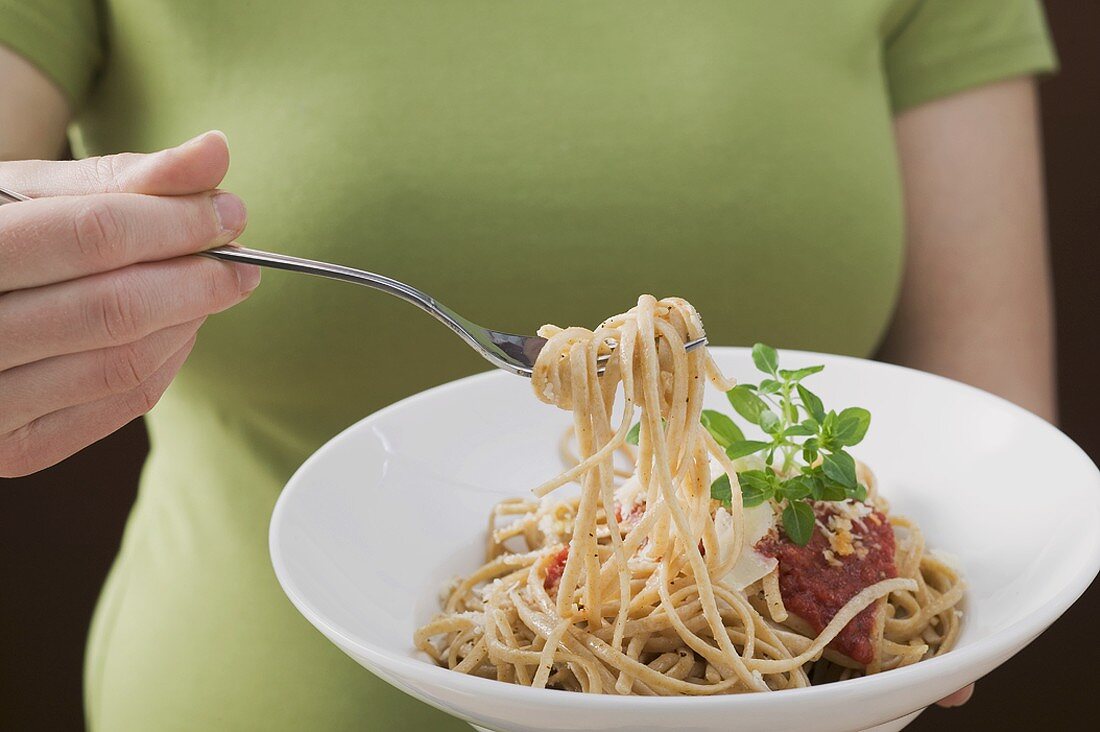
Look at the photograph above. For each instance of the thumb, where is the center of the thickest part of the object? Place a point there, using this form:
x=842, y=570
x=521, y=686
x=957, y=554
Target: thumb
x=195, y=166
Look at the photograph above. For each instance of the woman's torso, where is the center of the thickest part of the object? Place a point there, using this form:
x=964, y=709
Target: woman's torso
x=524, y=163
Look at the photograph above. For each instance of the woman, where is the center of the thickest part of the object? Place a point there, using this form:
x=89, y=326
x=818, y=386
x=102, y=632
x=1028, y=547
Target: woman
x=764, y=160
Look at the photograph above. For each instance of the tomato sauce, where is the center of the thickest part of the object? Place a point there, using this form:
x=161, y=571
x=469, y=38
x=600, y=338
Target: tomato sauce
x=815, y=589
x=554, y=571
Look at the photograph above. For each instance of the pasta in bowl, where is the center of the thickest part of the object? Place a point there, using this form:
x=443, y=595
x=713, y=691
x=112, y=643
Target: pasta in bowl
x=678, y=581
x=772, y=570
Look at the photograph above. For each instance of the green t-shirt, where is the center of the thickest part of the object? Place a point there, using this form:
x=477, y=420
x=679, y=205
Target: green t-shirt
x=525, y=162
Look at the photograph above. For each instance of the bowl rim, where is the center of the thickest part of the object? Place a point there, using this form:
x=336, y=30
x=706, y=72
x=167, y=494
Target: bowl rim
x=977, y=655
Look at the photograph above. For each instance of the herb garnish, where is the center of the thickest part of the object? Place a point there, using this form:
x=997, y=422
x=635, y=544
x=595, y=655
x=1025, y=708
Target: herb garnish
x=800, y=431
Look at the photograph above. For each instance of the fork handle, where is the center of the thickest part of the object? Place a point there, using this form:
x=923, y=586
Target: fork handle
x=322, y=269
x=408, y=293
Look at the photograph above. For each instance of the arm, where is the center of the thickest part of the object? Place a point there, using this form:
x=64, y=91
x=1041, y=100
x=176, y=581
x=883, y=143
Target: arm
x=975, y=301
x=33, y=112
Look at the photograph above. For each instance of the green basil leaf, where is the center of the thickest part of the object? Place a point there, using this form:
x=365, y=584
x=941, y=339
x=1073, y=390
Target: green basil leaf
x=742, y=448
x=723, y=429
x=825, y=489
x=765, y=358
x=798, y=522
x=812, y=403
x=720, y=490
x=769, y=386
x=859, y=493
x=797, y=488
x=755, y=487
x=799, y=374
x=769, y=422
x=832, y=491
x=815, y=482
x=828, y=431
x=840, y=467
x=799, y=430
x=851, y=426
x=747, y=404
x=810, y=451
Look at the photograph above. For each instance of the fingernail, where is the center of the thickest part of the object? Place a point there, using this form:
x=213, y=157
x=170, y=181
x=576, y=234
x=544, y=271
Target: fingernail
x=193, y=141
x=197, y=139
x=248, y=276
x=231, y=213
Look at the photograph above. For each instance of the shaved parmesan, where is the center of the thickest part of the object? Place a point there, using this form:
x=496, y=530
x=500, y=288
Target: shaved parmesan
x=629, y=493
x=759, y=520
x=751, y=566
x=749, y=462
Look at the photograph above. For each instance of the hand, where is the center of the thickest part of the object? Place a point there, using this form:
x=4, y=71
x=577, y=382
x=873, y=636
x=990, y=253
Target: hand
x=99, y=306
x=960, y=697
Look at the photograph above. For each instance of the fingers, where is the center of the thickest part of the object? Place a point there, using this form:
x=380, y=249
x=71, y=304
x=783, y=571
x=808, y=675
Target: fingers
x=55, y=436
x=98, y=304
x=960, y=697
x=56, y=239
x=118, y=307
x=36, y=389
x=197, y=165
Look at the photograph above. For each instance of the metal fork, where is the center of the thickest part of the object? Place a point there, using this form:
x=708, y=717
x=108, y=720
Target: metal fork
x=512, y=352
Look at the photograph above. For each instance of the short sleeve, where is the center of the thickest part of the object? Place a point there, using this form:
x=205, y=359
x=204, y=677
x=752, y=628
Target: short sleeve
x=61, y=37
x=944, y=46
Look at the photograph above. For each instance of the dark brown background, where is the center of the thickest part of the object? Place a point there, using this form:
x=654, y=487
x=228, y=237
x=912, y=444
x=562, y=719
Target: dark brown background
x=59, y=529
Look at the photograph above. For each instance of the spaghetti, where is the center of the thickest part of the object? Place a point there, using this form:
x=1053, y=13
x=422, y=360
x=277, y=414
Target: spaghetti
x=652, y=587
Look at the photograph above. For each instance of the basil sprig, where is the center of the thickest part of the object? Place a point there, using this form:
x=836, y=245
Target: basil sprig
x=798, y=431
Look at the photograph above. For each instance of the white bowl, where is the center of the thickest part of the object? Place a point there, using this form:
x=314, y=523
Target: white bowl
x=371, y=526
